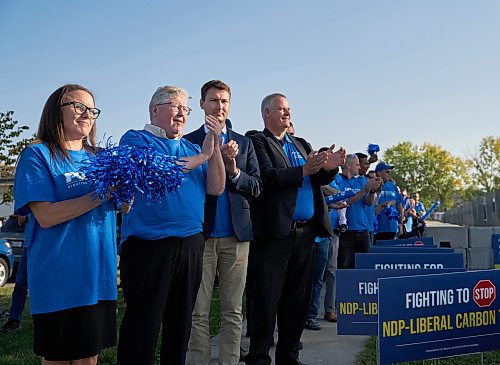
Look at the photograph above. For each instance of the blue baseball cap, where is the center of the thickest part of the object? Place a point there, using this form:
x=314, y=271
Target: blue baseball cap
x=383, y=166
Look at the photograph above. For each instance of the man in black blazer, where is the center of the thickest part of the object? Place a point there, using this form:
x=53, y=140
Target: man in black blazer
x=286, y=218
x=228, y=230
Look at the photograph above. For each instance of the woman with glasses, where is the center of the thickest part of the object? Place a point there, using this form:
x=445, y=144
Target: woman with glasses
x=70, y=238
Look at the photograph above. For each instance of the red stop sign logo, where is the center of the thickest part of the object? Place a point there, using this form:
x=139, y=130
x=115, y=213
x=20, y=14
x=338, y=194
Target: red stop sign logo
x=484, y=293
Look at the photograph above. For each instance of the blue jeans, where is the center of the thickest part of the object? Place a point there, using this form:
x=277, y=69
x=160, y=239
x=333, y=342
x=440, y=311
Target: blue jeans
x=329, y=277
x=320, y=261
x=20, y=292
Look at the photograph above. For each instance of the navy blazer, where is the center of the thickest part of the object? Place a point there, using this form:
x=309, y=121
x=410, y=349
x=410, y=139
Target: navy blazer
x=248, y=186
x=273, y=210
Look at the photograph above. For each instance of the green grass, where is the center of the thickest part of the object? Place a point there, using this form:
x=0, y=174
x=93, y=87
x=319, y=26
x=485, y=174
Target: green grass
x=17, y=347
x=369, y=357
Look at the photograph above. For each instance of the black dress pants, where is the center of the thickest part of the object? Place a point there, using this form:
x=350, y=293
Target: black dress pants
x=350, y=243
x=160, y=280
x=281, y=277
x=384, y=236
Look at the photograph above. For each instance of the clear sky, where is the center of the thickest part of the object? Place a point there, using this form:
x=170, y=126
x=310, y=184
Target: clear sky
x=355, y=71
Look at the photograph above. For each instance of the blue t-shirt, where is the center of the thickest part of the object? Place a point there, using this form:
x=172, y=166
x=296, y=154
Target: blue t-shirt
x=420, y=208
x=223, y=226
x=180, y=213
x=370, y=215
x=73, y=263
x=389, y=192
x=304, y=204
x=355, y=214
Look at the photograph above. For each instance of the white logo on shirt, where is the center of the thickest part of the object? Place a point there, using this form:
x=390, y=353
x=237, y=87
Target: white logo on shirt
x=73, y=178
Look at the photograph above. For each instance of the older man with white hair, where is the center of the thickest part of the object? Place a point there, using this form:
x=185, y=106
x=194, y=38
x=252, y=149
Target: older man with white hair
x=162, y=243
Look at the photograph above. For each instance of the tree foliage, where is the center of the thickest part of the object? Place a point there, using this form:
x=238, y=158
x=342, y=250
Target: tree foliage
x=10, y=147
x=430, y=170
x=486, y=165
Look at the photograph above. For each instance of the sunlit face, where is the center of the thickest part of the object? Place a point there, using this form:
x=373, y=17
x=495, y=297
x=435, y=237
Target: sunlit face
x=384, y=174
x=364, y=165
x=170, y=118
x=77, y=126
x=416, y=196
x=353, y=167
x=279, y=115
x=216, y=103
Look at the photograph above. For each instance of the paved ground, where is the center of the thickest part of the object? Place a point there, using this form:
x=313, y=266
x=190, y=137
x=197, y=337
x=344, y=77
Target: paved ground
x=320, y=347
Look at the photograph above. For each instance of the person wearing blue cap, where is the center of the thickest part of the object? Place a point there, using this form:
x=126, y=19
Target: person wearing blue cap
x=390, y=198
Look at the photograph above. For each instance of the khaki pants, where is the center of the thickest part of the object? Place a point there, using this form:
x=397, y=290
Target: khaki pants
x=229, y=258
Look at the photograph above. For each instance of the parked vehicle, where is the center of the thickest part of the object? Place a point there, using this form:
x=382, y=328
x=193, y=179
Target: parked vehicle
x=6, y=261
x=16, y=243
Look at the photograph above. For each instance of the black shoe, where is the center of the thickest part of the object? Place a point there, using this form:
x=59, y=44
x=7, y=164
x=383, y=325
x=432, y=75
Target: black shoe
x=243, y=354
x=299, y=346
x=312, y=325
x=11, y=325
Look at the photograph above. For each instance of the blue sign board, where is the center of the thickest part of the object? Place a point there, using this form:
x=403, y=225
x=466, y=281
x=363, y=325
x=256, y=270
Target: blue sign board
x=495, y=242
x=404, y=261
x=434, y=316
x=357, y=298
x=414, y=241
x=409, y=249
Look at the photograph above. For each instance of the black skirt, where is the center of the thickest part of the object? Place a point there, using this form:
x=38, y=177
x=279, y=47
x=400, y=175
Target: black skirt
x=75, y=333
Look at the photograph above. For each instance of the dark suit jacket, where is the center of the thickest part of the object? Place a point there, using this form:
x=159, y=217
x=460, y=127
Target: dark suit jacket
x=273, y=210
x=248, y=186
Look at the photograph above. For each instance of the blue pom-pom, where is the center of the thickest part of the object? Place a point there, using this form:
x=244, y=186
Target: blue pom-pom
x=372, y=149
x=123, y=171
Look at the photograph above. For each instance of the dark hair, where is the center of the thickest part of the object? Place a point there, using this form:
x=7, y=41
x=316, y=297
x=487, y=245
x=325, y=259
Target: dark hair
x=51, y=127
x=361, y=155
x=251, y=132
x=218, y=84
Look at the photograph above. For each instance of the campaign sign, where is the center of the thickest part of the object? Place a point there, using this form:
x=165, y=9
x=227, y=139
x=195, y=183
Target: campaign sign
x=413, y=241
x=357, y=298
x=404, y=261
x=425, y=249
x=495, y=242
x=434, y=316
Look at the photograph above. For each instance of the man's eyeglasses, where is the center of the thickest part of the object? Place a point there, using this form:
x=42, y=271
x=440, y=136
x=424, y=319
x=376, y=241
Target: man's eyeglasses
x=177, y=107
x=82, y=108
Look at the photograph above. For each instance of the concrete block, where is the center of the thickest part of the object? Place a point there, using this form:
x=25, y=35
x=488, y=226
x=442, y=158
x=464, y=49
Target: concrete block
x=457, y=236
x=480, y=236
x=464, y=252
x=496, y=230
x=480, y=258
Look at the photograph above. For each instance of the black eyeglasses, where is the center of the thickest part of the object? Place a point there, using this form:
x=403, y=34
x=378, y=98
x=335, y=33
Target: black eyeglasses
x=177, y=107
x=82, y=108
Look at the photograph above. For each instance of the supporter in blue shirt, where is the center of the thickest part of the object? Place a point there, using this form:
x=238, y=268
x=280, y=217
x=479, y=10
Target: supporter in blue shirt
x=370, y=209
x=162, y=248
x=70, y=236
x=389, y=197
x=228, y=232
x=419, y=206
x=364, y=165
x=356, y=238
